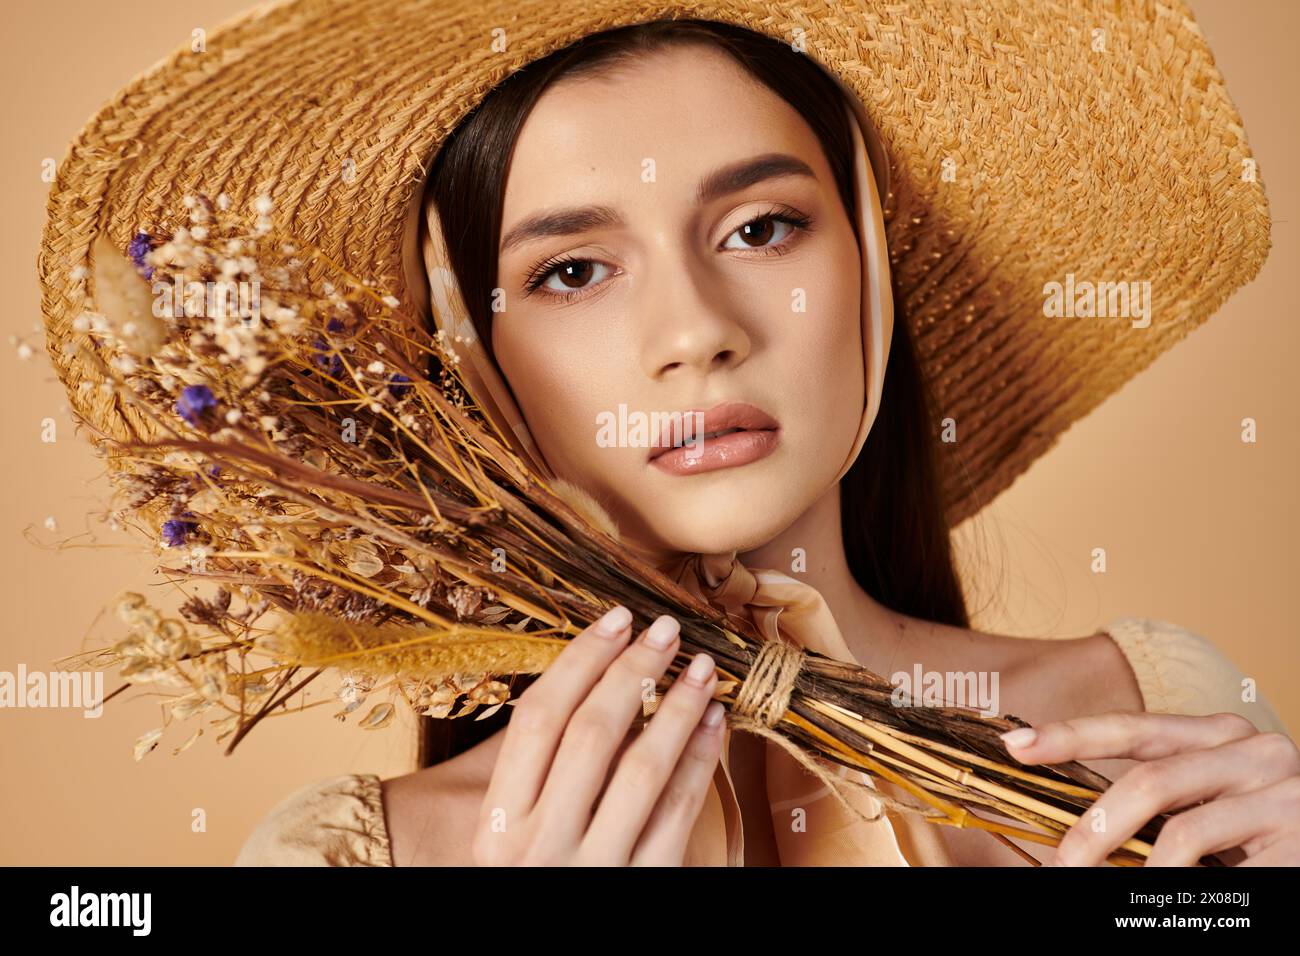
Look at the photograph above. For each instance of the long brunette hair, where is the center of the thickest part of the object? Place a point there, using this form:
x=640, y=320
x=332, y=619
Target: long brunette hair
x=895, y=536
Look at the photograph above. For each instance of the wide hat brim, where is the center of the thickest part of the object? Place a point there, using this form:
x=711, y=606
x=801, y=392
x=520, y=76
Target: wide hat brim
x=1026, y=142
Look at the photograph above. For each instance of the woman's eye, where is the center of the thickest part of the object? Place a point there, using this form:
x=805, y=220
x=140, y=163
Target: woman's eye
x=758, y=233
x=572, y=276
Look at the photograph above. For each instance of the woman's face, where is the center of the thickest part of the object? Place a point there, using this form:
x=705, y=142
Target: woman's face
x=673, y=241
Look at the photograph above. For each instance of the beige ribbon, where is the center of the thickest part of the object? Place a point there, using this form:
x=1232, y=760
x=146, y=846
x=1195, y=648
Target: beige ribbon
x=773, y=600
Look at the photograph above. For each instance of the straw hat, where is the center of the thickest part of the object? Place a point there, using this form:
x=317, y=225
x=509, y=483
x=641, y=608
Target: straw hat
x=1035, y=151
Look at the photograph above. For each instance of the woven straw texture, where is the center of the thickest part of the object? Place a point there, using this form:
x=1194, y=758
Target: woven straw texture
x=1120, y=164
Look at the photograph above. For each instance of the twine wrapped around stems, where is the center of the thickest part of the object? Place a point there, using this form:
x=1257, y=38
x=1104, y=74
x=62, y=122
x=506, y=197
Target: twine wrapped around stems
x=762, y=701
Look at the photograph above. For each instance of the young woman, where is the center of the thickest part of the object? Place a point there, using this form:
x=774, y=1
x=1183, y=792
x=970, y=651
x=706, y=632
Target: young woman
x=628, y=222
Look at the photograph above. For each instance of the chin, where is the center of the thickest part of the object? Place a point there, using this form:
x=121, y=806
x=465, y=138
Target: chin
x=727, y=510
x=702, y=528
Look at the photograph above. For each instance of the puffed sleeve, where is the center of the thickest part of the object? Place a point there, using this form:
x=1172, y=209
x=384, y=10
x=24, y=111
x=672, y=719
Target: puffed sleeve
x=1180, y=672
x=333, y=822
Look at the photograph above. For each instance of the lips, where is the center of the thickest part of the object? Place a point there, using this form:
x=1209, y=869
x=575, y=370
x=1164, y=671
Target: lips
x=726, y=417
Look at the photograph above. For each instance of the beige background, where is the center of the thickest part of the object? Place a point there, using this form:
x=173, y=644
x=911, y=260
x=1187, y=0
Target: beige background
x=1199, y=528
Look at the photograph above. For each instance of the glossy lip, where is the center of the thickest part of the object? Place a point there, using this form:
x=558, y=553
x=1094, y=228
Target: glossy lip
x=757, y=440
x=727, y=451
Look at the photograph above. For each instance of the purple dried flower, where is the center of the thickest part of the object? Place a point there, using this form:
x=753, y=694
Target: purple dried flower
x=195, y=402
x=395, y=386
x=328, y=360
x=335, y=325
x=176, y=530
x=139, y=248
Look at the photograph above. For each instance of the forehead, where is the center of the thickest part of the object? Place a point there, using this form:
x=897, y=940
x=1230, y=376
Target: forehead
x=688, y=108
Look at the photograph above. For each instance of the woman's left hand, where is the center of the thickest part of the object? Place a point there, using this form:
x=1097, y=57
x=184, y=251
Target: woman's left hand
x=1247, y=782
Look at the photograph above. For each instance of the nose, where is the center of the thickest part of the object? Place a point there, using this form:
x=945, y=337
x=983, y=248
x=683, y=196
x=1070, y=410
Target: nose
x=692, y=322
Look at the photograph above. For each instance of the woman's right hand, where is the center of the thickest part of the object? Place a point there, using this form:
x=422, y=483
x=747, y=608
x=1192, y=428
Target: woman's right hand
x=566, y=733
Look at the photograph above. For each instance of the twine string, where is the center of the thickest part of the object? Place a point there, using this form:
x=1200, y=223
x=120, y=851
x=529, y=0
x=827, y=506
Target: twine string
x=762, y=702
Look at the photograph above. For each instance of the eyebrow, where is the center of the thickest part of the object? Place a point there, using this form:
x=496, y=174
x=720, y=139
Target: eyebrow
x=721, y=182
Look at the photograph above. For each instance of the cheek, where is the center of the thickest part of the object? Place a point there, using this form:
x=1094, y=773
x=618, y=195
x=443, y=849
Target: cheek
x=560, y=390
x=819, y=352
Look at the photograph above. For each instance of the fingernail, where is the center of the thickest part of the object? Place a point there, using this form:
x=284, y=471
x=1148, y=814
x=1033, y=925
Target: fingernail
x=662, y=633
x=614, y=622
x=1022, y=737
x=701, y=669
x=712, y=715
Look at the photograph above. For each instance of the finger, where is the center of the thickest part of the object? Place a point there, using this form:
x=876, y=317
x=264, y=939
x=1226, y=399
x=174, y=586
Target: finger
x=1137, y=736
x=623, y=746
x=1286, y=853
x=1245, y=820
x=542, y=712
x=565, y=806
x=668, y=832
x=641, y=774
x=1158, y=786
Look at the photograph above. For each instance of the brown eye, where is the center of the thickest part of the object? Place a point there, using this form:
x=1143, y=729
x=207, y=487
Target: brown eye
x=575, y=275
x=568, y=277
x=757, y=233
x=766, y=232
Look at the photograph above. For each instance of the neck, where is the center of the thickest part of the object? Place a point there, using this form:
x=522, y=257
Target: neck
x=811, y=550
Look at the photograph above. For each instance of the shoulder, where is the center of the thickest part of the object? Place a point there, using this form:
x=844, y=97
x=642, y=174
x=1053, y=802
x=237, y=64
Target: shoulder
x=338, y=821
x=1182, y=672
x=432, y=814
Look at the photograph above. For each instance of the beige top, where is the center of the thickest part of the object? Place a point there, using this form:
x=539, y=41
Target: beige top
x=340, y=821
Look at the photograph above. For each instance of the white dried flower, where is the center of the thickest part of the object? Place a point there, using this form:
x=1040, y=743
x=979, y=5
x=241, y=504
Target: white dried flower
x=147, y=742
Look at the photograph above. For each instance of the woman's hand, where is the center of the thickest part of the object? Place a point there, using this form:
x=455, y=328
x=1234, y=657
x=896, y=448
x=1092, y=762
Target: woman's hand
x=1250, y=782
x=545, y=805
